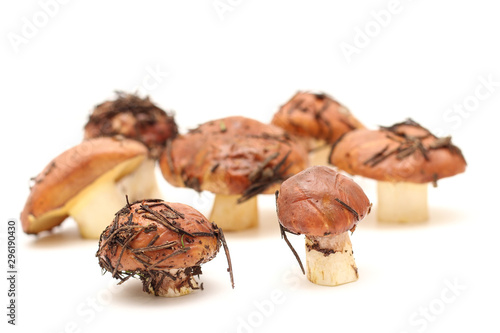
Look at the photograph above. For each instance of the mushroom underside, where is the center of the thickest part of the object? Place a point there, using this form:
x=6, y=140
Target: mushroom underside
x=94, y=207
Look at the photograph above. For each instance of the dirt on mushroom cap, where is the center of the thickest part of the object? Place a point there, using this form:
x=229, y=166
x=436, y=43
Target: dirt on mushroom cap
x=135, y=118
x=315, y=115
x=233, y=155
x=155, y=235
x=405, y=151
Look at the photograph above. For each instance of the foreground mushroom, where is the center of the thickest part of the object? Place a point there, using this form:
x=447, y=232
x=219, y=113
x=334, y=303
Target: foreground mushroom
x=403, y=158
x=317, y=119
x=323, y=205
x=163, y=244
x=88, y=182
x=236, y=158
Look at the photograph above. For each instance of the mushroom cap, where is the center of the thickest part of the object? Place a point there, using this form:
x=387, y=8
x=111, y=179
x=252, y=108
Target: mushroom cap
x=319, y=201
x=67, y=175
x=153, y=245
x=315, y=115
x=404, y=152
x=234, y=155
x=135, y=118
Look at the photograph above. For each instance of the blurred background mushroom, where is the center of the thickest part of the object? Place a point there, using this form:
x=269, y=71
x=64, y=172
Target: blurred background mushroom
x=236, y=158
x=323, y=205
x=161, y=243
x=88, y=182
x=403, y=158
x=135, y=118
x=318, y=120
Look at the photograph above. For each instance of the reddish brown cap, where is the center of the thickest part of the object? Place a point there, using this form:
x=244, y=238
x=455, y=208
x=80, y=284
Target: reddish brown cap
x=135, y=118
x=319, y=202
x=70, y=173
x=159, y=236
x=233, y=155
x=315, y=115
x=405, y=152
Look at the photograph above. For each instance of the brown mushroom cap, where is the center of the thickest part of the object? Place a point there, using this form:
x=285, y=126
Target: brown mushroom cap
x=319, y=202
x=233, y=155
x=71, y=172
x=316, y=116
x=135, y=118
x=159, y=236
x=404, y=152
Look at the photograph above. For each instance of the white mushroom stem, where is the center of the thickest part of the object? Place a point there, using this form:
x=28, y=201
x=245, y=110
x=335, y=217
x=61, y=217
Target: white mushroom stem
x=320, y=156
x=319, y=152
x=330, y=260
x=141, y=184
x=228, y=214
x=94, y=208
x=402, y=202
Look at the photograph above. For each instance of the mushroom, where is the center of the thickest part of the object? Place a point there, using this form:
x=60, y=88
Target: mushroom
x=236, y=158
x=403, y=158
x=323, y=205
x=163, y=244
x=88, y=182
x=135, y=118
x=318, y=120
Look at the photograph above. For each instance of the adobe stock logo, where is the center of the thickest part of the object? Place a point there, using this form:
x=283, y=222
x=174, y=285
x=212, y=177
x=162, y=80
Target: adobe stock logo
x=454, y=116
x=263, y=309
x=32, y=24
x=222, y=7
x=88, y=310
x=363, y=36
x=153, y=78
x=429, y=313
x=266, y=308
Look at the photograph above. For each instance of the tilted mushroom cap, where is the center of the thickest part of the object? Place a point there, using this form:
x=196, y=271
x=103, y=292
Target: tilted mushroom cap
x=135, y=118
x=57, y=188
x=315, y=115
x=232, y=156
x=319, y=202
x=405, y=152
x=159, y=236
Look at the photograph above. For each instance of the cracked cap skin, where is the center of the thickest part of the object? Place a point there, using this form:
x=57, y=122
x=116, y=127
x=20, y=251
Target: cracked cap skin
x=319, y=202
x=230, y=155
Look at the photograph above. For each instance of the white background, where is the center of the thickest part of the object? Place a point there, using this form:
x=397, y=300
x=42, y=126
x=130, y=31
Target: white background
x=425, y=59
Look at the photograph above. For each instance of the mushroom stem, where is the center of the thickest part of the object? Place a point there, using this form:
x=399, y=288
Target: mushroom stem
x=95, y=208
x=402, y=202
x=319, y=153
x=170, y=283
x=330, y=260
x=141, y=184
x=230, y=215
x=97, y=204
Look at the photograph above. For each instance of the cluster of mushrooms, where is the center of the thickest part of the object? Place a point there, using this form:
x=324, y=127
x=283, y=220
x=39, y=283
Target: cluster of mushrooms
x=107, y=184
